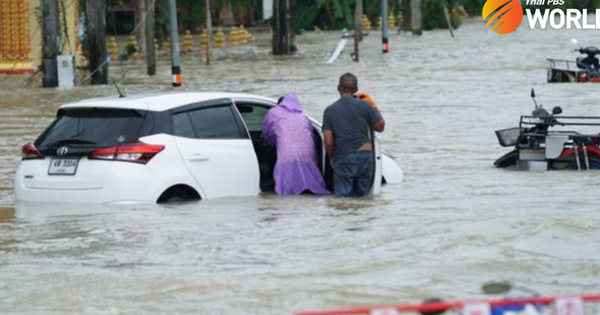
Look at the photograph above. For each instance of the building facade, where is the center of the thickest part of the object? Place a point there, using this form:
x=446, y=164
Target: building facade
x=21, y=33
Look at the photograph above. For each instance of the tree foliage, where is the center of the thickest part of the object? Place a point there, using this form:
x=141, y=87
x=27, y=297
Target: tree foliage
x=306, y=14
x=434, y=17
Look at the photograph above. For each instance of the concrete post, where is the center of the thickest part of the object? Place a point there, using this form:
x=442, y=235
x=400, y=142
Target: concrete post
x=281, y=27
x=358, y=17
x=384, y=27
x=96, y=31
x=417, y=18
x=175, y=59
x=149, y=28
x=50, y=42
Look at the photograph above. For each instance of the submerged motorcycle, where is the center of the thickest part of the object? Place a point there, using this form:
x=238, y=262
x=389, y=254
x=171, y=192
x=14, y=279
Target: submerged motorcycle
x=583, y=69
x=539, y=146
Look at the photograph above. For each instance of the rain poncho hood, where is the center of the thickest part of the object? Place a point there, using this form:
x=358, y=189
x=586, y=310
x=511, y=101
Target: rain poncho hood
x=291, y=103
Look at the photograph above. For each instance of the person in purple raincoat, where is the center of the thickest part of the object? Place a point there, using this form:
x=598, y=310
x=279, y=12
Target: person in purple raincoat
x=289, y=130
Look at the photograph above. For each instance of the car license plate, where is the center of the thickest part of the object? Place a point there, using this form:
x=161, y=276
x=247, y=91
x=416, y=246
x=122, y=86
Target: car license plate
x=63, y=166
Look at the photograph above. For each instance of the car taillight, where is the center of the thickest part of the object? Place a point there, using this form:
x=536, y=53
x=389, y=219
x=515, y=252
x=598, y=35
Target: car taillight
x=30, y=152
x=137, y=152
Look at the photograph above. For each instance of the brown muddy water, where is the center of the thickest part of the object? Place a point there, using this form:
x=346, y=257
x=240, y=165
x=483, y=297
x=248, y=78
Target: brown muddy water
x=454, y=223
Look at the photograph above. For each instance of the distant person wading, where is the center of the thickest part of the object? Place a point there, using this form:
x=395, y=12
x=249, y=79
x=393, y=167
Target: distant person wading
x=347, y=125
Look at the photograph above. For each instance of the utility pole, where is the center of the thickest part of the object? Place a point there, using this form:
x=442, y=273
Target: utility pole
x=281, y=27
x=159, y=11
x=406, y=16
x=140, y=19
x=417, y=20
x=384, y=27
x=358, y=18
x=96, y=32
x=208, y=32
x=356, y=53
x=50, y=42
x=149, y=29
x=175, y=60
x=357, y=31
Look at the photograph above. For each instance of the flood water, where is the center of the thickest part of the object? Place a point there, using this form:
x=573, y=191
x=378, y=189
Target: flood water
x=454, y=223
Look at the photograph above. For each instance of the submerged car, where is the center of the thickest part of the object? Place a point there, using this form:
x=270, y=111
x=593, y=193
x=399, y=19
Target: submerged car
x=162, y=147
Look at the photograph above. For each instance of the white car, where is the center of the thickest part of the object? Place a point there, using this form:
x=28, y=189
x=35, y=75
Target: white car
x=160, y=147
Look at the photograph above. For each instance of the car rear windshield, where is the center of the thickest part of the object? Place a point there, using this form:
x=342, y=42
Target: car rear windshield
x=92, y=127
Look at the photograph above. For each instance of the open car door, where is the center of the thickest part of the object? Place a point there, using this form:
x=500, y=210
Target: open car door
x=377, y=175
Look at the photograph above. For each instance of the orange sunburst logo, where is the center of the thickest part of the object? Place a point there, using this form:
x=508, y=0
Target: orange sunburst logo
x=504, y=16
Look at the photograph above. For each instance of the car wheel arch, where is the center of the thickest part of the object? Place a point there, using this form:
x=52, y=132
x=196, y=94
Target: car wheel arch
x=179, y=192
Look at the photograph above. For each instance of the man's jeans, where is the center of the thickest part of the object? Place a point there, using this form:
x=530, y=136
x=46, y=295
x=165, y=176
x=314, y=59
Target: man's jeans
x=353, y=175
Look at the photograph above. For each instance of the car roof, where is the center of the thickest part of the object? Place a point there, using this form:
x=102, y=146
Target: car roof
x=160, y=101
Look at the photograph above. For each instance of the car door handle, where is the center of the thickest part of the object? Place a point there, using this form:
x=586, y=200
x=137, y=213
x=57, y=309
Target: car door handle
x=198, y=157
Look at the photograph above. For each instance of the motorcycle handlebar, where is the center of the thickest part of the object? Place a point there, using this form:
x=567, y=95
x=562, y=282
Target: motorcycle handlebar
x=588, y=50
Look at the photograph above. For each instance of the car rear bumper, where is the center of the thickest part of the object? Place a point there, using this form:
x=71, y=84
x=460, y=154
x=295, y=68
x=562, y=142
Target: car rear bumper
x=126, y=183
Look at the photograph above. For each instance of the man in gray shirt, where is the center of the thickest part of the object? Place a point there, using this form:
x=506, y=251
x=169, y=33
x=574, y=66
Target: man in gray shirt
x=347, y=126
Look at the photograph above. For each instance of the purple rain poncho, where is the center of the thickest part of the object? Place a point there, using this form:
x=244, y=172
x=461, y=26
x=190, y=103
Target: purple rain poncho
x=286, y=128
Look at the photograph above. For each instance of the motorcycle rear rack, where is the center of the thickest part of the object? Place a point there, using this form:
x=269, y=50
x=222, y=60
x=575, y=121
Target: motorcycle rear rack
x=570, y=64
x=559, y=120
x=526, y=122
x=556, y=141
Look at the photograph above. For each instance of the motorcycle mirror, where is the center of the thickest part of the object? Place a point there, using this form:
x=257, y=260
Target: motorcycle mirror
x=499, y=287
x=574, y=41
x=557, y=110
x=533, y=97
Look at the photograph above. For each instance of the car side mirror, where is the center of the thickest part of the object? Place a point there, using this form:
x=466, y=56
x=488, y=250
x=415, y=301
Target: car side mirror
x=557, y=110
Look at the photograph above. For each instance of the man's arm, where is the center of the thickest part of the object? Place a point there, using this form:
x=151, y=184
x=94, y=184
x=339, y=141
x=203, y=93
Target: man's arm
x=380, y=125
x=329, y=144
x=375, y=118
